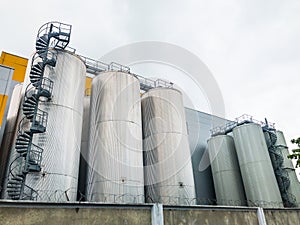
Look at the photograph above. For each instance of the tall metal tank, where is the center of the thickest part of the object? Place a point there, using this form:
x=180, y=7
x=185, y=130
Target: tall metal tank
x=6, y=74
x=226, y=172
x=115, y=157
x=58, y=178
x=167, y=158
x=10, y=131
x=294, y=187
x=257, y=172
x=84, y=148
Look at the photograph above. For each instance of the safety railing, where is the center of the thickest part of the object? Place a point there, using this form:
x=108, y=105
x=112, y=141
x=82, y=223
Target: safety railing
x=245, y=118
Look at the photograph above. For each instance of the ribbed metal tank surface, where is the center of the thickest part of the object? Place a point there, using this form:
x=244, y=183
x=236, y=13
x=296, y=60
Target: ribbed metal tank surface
x=294, y=187
x=58, y=178
x=9, y=132
x=257, y=172
x=115, y=157
x=167, y=158
x=226, y=172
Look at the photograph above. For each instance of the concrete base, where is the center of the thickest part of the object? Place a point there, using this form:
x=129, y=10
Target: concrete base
x=22, y=212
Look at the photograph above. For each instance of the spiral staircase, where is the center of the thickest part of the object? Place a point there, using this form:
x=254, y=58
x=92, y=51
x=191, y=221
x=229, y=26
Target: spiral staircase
x=282, y=176
x=51, y=37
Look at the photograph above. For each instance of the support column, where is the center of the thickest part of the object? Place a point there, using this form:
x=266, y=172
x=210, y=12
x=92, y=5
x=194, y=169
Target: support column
x=261, y=216
x=157, y=214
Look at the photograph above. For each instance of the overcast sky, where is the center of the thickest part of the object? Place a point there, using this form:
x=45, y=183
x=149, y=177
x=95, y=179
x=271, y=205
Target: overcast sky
x=252, y=48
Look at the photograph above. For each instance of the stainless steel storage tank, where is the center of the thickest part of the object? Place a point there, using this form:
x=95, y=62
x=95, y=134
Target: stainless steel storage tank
x=10, y=131
x=226, y=172
x=84, y=148
x=167, y=159
x=6, y=74
x=115, y=157
x=294, y=187
x=257, y=172
x=58, y=178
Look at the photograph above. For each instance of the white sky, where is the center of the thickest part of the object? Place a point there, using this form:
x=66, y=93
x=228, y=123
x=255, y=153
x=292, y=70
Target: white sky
x=251, y=47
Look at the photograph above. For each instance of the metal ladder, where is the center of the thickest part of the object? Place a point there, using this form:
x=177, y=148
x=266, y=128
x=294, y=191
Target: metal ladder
x=282, y=176
x=51, y=37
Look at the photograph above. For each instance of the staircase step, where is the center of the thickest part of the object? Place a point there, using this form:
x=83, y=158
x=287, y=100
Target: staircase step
x=41, y=43
x=13, y=182
x=26, y=134
x=15, y=198
x=13, y=188
x=18, y=146
x=30, y=102
x=20, y=175
x=37, y=69
x=22, y=150
x=22, y=141
x=17, y=178
x=22, y=138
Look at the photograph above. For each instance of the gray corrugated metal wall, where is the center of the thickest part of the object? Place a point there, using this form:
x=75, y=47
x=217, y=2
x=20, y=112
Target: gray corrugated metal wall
x=199, y=125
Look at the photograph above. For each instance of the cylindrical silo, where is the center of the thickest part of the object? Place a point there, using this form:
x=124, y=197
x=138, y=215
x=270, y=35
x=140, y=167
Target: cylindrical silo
x=294, y=185
x=226, y=172
x=167, y=159
x=259, y=180
x=57, y=180
x=6, y=74
x=115, y=157
x=9, y=132
x=84, y=148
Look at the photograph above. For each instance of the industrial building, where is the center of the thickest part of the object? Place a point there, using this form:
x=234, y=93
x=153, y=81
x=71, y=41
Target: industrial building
x=116, y=141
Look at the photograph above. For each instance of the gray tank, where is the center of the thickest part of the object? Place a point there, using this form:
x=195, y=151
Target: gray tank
x=58, y=178
x=226, y=172
x=167, y=158
x=115, y=157
x=257, y=172
x=294, y=185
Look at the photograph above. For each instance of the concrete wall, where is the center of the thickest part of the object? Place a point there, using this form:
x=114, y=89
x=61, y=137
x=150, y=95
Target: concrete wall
x=74, y=216
x=209, y=217
x=17, y=213
x=280, y=217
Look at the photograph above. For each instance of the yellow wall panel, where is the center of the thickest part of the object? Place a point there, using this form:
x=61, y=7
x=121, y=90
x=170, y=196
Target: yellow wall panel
x=88, y=86
x=16, y=62
x=3, y=101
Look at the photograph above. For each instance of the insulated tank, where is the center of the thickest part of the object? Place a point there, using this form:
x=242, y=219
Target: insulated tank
x=6, y=74
x=226, y=172
x=259, y=180
x=84, y=148
x=115, y=157
x=10, y=131
x=294, y=187
x=57, y=181
x=167, y=158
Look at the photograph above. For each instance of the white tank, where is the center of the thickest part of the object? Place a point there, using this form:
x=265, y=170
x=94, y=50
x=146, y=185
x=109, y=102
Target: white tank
x=226, y=172
x=294, y=187
x=167, y=159
x=10, y=131
x=115, y=157
x=84, y=148
x=58, y=178
x=257, y=172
